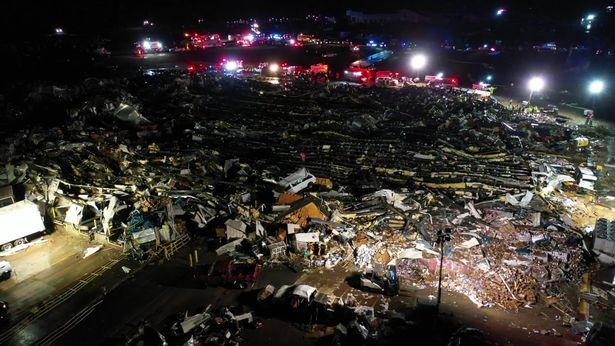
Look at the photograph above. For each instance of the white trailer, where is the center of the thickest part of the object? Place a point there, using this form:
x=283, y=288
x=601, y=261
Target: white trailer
x=18, y=221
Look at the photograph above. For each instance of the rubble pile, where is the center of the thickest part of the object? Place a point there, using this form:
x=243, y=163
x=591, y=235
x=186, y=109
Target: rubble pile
x=206, y=327
x=377, y=172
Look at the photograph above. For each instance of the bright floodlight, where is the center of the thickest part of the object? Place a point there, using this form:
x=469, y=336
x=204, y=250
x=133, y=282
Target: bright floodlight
x=274, y=68
x=147, y=45
x=489, y=78
x=418, y=61
x=500, y=11
x=591, y=16
x=230, y=65
x=440, y=75
x=596, y=87
x=536, y=84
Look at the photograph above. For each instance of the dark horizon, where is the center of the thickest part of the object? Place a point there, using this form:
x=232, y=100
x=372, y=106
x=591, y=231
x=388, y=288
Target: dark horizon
x=31, y=17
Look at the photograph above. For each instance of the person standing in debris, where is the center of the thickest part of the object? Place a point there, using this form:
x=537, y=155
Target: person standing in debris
x=589, y=115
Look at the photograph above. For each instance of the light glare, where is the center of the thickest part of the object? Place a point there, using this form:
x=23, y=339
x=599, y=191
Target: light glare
x=596, y=87
x=418, y=61
x=536, y=84
x=230, y=65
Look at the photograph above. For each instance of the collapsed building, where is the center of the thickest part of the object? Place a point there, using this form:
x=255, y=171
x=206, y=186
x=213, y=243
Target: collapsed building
x=324, y=176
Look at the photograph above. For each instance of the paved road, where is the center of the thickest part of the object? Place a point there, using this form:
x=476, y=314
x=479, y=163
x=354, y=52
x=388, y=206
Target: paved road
x=303, y=56
x=160, y=291
x=48, y=268
x=50, y=313
x=77, y=301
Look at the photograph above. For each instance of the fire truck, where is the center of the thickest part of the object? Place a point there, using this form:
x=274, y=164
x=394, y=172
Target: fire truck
x=147, y=46
x=388, y=79
x=363, y=75
x=203, y=41
x=228, y=272
x=438, y=81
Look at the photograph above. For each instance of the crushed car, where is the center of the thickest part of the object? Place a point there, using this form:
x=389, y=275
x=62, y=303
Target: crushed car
x=228, y=272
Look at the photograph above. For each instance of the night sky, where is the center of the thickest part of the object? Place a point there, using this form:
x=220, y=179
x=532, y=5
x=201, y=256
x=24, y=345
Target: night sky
x=27, y=17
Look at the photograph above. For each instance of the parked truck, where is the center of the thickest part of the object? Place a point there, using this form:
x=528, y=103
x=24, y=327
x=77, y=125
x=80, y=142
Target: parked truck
x=18, y=221
x=228, y=272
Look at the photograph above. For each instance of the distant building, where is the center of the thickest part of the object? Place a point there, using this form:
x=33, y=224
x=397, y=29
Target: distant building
x=404, y=15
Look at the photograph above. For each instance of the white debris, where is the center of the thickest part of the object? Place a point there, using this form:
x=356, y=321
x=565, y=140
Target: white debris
x=363, y=257
x=469, y=243
x=527, y=198
x=470, y=206
x=91, y=250
x=457, y=220
x=393, y=198
x=129, y=114
x=410, y=254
